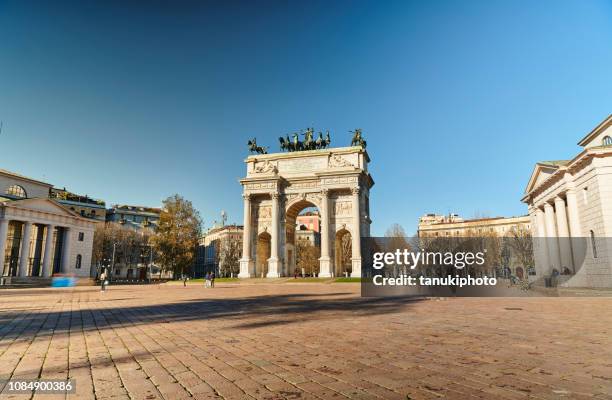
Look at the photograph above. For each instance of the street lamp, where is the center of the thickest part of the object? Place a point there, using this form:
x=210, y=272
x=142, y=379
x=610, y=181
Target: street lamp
x=113, y=261
x=150, y=260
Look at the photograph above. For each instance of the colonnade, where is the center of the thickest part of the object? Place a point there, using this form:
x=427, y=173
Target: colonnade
x=26, y=251
x=557, y=222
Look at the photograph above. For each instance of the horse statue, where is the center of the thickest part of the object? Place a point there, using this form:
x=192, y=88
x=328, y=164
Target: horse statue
x=297, y=145
x=320, y=142
x=254, y=148
x=284, y=145
x=309, y=143
x=327, y=140
x=358, y=139
x=289, y=144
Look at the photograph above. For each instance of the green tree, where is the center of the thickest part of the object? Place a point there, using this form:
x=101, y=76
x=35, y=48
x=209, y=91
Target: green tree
x=177, y=235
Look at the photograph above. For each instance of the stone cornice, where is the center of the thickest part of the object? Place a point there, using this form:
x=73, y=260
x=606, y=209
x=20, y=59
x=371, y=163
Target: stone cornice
x=42, y=217
x=260, y=179
x=577, y=163
x=298, y=154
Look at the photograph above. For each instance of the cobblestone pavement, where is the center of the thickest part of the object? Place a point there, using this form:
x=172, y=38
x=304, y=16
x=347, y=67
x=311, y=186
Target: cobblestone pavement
x=303, y=341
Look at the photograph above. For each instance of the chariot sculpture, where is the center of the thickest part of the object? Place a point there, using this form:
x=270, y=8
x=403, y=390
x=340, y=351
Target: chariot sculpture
x=309, y=143
x=294, y=143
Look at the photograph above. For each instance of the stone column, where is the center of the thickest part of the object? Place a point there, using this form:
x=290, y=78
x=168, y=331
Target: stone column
x=324, y=260
x=3, y=234
x=47, y=268
x=66, y=251
x=575, y=230
x=551, y=239
x=24, y=255
x=573, y=214
x=246, y=263
x=542, y=243
x=273, y=260
x=356, y=236
x=563, y=231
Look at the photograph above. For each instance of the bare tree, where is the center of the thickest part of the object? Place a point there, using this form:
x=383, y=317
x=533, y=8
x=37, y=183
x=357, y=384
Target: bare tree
x=230, y=251
x=521, y=242
x=396, y=239
x=128, y=246
x=307, y=256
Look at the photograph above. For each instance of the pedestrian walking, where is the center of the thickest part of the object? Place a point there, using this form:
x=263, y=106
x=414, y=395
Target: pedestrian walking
x=207, y=280
x=212, y=279
x=184, y=280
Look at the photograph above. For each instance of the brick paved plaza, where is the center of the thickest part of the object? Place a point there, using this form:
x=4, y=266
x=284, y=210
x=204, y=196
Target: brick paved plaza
x=298, y=341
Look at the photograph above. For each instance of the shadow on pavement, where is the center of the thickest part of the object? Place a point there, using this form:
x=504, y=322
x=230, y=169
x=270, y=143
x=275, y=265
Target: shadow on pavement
x=245, y=312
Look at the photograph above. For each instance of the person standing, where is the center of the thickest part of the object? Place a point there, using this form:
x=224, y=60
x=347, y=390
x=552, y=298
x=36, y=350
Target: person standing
x=103, y=281
x=212, y=279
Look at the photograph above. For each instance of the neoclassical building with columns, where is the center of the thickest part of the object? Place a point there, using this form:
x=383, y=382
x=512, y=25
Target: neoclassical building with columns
x=39, y=236
x=570, y=205
x=278, y=186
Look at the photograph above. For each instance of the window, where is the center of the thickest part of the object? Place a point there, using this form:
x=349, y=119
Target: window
x=81, y=236
x=17, y=191
x=607, y=141
x=78, y=261
x=593, y=244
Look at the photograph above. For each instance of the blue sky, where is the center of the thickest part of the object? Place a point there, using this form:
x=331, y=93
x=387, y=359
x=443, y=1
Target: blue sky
x=132, y=102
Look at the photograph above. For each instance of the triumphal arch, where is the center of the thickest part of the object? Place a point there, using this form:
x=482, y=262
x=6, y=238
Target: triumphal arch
x=279, y=186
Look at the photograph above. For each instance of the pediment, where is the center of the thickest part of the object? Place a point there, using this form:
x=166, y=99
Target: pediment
x=44, y=205
x=596, y=137
x=539, y=175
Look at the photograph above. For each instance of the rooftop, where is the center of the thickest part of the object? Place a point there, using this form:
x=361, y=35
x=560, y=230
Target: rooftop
x=16, y=175
x=64, y=195
x=124, y=207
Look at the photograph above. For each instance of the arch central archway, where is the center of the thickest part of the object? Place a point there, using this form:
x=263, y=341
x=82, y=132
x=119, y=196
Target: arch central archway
x=302, y=239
